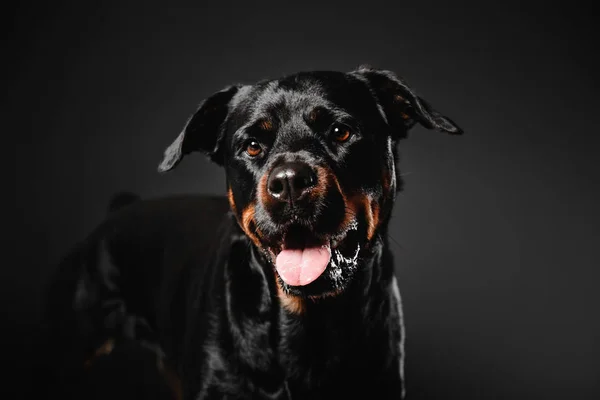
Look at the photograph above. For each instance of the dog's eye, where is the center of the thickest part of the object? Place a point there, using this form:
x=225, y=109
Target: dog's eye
x=253, y=148
x=341, y=133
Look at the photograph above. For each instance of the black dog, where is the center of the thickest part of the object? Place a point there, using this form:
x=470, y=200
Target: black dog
x=286, y=289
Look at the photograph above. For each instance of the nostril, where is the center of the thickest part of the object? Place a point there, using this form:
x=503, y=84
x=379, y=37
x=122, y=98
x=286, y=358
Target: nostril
x=303, y=181
x=276, y=186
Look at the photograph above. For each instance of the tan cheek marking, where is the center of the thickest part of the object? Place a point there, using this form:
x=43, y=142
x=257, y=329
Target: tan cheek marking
x=363, y=203
x=248, y=222
x=293, y=304
x=247, y=218
x=261, y=191
x=231, y=201
x=105, y=349
x=320, y=190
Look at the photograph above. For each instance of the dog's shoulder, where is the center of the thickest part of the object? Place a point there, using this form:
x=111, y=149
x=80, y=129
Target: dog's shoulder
x=180, y=224
x=144, y=234
x=172, y=215
x=143, y=240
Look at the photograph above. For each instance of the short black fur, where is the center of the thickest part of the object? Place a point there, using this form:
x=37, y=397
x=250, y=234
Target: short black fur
x=210, y=304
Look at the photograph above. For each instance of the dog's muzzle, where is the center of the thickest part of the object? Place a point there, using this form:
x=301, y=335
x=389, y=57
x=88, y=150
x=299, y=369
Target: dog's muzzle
x=303, y=219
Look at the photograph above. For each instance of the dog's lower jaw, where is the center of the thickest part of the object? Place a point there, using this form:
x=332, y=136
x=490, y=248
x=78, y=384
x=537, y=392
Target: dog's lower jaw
x=339, y=274
x=296, y=304
x=290, y=303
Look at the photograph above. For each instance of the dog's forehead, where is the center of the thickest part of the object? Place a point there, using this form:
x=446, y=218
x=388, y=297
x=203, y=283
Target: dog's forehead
x=276, y=98
x=293, y=94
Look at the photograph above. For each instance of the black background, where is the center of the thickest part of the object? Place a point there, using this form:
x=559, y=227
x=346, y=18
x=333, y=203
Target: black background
x=496, y=234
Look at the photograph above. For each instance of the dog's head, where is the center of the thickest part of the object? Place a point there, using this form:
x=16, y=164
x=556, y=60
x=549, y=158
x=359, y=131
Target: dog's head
x=311, y=170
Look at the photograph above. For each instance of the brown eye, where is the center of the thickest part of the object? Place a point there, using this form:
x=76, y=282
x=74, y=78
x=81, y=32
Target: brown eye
x=341, y=133
x=253, y=149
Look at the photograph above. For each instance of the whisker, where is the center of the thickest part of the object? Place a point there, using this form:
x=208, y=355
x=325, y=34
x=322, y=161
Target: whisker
x=395, y=242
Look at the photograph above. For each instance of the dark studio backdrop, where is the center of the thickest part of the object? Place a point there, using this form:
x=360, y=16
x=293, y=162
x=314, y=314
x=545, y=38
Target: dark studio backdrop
x=496, y=235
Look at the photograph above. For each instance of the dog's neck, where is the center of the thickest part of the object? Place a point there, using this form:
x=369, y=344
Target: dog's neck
x=299, y=340
x=284, y=346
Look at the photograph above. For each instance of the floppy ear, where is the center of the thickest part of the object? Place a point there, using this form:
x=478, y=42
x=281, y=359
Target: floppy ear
x=401, y=106
x=202, y=132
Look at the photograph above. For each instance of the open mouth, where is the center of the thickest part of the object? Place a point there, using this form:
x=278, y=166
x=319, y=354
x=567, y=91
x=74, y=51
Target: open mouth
x=301, y=257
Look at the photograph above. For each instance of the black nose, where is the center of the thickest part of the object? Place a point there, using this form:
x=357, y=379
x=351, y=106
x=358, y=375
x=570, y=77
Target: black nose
x=289, y=181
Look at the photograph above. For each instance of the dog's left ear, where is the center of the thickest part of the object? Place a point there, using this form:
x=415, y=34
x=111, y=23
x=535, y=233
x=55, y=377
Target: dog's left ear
x=202, y=132
x=401, y=106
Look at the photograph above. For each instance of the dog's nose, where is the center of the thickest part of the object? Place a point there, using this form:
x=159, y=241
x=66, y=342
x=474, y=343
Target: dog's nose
x=289, y=181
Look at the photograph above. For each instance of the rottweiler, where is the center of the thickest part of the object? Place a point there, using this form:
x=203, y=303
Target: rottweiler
x=282, y=289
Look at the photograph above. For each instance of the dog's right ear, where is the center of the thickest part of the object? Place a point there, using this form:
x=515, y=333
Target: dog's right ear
x=401, y=105
x=202, y=132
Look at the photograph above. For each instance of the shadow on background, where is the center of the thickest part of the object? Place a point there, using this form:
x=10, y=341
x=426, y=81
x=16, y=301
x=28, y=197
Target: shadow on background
x=496, y=233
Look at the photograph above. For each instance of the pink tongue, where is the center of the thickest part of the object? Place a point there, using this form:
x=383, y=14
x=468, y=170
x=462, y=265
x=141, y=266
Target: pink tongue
x=301, y=267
